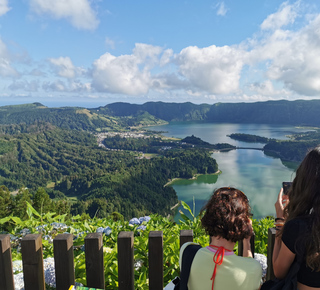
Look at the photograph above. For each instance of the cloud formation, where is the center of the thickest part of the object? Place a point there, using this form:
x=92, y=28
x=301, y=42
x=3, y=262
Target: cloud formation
x=285, y=15
x=126, y=74
x=6, y=69
x=78, y=12
x=212, y=69
x=221, y=9
x=293, y=57
x=63, y=66
x=4, y=7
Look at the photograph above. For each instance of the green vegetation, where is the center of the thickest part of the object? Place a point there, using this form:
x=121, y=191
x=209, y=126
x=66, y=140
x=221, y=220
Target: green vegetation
x=120, y=116
x=50, y=225
x=249, y=138
x=295, y=149
x=193, y=140
x=102, y=181
x=18, y=118
x=299, y=112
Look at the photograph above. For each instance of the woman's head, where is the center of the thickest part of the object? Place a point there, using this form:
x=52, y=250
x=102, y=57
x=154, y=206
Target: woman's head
x=305, y=192
x=227, y=215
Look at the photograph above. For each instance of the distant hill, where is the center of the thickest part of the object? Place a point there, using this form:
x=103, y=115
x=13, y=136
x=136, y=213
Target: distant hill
x=118, y=116
x=75, y=118
x=161, y=110
x=298, y=112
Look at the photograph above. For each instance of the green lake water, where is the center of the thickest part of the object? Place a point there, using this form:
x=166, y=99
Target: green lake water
x=259, y=176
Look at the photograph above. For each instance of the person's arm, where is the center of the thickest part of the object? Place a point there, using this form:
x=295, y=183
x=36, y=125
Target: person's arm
x=247, y=248
x=282, y=257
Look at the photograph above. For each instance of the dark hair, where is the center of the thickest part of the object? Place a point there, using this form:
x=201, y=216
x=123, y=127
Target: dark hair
x=227, y=215
x=304, y=198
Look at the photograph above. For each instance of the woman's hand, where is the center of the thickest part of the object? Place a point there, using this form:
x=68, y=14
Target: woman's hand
x=279, y=205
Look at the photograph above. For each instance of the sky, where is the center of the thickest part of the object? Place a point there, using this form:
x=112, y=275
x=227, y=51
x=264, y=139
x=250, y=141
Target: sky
x=91, y=53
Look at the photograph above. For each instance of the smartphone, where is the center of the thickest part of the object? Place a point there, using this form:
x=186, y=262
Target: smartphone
x=286, y=186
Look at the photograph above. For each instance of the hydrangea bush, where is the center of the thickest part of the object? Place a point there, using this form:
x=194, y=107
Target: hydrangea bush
x=50, y=225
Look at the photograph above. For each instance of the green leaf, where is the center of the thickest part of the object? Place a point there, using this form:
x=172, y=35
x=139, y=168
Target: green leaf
x=4, y=220
x=31, y=210
x=186, y=207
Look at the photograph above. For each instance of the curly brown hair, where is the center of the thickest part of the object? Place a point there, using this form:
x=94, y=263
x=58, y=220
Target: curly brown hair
x=227, y=215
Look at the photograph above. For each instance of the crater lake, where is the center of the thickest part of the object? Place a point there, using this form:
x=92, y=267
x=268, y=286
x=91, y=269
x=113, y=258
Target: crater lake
x=258, y=175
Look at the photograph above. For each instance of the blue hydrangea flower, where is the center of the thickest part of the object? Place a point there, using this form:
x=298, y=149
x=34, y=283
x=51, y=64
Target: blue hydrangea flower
x=107, y=231
x=134, y=221
x=144, y=219
x=142, y=227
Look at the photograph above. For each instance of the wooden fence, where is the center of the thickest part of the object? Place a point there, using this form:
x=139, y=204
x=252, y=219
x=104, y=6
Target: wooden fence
x=32, y=260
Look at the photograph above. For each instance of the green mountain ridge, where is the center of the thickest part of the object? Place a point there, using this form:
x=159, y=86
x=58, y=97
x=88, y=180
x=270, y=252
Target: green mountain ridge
x=118, y=115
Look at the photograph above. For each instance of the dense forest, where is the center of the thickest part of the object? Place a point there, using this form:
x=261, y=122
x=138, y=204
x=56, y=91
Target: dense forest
x=294, y=149
x=69, y=163
x=122, y=116
x=155, y=144
x=297, y=112
x=249, y=138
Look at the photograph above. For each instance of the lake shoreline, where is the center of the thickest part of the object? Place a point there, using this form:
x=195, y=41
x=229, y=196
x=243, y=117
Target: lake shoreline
x=192, y=178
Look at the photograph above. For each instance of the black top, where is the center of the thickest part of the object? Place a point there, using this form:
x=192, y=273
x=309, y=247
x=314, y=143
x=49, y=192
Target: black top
x=291, y=237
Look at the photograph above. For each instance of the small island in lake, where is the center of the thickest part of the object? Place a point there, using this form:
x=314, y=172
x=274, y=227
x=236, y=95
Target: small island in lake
x=249, y=138
x=193, y=140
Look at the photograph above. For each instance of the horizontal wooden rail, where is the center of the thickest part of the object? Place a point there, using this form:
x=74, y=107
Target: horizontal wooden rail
x=32, y=260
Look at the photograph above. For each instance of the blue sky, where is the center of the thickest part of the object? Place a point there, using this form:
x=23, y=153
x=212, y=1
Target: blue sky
x=93, y=52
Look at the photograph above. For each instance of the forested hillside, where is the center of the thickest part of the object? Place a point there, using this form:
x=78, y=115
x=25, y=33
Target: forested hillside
x=100, y=180
x=161, y=110
x=298, y=112
x=69, y=118
x=117, y=116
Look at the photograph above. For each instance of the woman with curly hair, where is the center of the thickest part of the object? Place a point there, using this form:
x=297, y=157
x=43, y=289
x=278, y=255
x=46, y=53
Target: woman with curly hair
x=226, y=218
x=298, y=225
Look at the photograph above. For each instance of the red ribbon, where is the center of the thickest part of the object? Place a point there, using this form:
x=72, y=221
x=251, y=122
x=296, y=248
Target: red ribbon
x=217, y=259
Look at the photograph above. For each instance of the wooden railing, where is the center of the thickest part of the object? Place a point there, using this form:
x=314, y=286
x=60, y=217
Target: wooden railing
x=32, y=260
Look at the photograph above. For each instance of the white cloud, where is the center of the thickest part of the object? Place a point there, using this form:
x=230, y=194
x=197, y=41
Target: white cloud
x=267, y=89
x=110, y=43
x=284, y=16
x=78, y=12
x=32, y=86
x=6, y=69
x=166, y=57
x=4, y=7
x=63, y=67
x=221, y=9
x=293, y=58
x=126, y=74
x=56, y=86
x=213, y=69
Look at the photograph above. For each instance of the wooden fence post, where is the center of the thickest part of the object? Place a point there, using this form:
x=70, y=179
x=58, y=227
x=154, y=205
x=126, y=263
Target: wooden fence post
x=125, y=261
x=93, y=246
x=186, y=236
x=271, y=240
x=240, y=246
x=32, y=261
x=156, y=260
x=64, y=261
x=6, y=273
